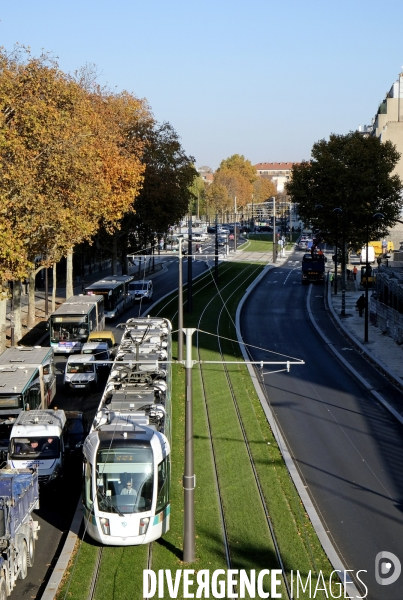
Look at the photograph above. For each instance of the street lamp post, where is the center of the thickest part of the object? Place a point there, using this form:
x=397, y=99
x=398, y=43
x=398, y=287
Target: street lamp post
x=366, y=319
x=274, y=231
x=337, y=211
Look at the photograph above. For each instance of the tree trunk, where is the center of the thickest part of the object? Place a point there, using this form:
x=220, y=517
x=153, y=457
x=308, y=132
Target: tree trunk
x=17, y=311
x=69, y=274
x=54, y=288
x=3, y=318
x=115, y=254
x=31, y=299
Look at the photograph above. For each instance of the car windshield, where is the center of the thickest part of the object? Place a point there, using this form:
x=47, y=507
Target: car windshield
x=35, y=447
x=79, y=367
x=125, y=479
x=137, y=286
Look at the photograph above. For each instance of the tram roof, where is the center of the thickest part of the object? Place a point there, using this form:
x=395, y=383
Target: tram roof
x=140, y=436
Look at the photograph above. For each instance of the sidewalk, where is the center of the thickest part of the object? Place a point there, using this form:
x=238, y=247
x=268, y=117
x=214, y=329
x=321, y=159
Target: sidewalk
x=380, y=348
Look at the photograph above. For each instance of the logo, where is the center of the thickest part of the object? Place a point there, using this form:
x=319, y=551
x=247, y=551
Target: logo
x=124, y=523
x=387, y=568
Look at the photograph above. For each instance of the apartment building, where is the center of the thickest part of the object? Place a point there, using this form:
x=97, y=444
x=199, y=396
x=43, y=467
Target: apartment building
x=278, y=173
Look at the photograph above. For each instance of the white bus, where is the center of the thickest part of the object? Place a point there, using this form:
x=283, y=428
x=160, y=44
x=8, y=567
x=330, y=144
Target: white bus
x=71, y=324
x=115, y=291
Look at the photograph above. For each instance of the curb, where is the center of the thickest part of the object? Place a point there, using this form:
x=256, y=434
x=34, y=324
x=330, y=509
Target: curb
x=367, y=354
x=292, y=469
x=65, y=556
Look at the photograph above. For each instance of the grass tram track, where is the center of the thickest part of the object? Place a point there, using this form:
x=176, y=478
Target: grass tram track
x=243, y=486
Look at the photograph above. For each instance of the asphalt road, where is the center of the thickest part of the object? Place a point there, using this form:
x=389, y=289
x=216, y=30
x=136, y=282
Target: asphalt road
x=58, y=503
x=347, y=448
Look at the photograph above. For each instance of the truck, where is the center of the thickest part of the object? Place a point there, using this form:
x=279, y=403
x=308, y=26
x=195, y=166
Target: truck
x=19, y=497
x=313, y=268
x=37, y=440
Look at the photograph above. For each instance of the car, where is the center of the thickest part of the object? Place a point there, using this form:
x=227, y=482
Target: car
x=211, y=229
x=221, y=241
x=76, y=430
x=223, y=230
x=81, y=373
x=197, y=237
x=104, y=336
x=303, y=245
x=141, y=290
x=100, y=351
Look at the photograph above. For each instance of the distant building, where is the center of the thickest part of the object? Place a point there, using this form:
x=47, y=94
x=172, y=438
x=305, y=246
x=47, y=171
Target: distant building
x=206, y=175
x=388, y=125
x=278, y=173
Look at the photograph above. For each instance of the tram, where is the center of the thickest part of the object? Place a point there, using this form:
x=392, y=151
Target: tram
x=127, y=466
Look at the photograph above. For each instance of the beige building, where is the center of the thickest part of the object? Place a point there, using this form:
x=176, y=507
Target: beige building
x=388, y=125
x=278, y=173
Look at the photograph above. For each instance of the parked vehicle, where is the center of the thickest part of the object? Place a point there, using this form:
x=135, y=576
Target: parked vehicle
x=141, y=290
x=371, y=255
x=19, y=497
x=71, y=324
x=114, y=290
x=37, y=441
x=81, y=373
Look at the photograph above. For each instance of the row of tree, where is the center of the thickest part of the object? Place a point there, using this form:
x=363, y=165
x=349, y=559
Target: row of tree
x=235, y=178
x=77, y=159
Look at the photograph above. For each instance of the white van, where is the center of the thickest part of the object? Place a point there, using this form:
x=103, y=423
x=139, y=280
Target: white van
x=371, y=255
x=141, y=290
x=81, y=373
x=100, y=351
x=36, y=440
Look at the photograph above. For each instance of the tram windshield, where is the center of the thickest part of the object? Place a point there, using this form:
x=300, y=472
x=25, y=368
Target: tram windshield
x=124, y=480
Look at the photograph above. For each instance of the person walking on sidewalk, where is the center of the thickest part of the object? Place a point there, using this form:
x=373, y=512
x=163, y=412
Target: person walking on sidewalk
x=355, y=271
x=360, y=304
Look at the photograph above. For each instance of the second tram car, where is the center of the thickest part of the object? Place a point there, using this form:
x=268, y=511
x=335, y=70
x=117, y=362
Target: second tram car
x=127, y=467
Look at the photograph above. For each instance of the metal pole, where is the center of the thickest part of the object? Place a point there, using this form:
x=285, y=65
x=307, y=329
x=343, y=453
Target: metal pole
x=235, y=228
x=189, y=477
x=343, y=274
x=335, y=262
x=46, y=293
x=366, y=289
x=12, y=330
x=274, y=231
x=190, y=269
x=180, y=304
x=216, y=250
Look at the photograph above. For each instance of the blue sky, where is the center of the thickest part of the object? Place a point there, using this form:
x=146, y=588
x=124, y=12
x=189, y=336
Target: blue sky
x=260, y=78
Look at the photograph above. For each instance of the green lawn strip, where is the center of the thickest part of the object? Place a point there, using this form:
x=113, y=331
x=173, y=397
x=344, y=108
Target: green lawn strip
x=121, y=573
x=78, y=575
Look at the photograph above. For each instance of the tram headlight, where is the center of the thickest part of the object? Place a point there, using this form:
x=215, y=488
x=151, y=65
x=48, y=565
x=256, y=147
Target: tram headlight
x=144, y=522
x=105, y=525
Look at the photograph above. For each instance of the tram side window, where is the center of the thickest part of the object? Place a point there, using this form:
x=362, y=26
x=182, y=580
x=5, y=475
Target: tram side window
x=163, y=484
x=87, y=492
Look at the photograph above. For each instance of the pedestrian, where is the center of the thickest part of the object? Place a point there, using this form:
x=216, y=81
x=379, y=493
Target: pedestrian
x=197, y=248
x=355, y=271
x=360, y=304
x=200, y=249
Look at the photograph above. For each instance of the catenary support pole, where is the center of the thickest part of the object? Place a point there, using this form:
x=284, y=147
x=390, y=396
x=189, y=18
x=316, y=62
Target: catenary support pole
x=180, y=304
x=190, y=269
x=274, y=231
x=189, y=477
x=366, y=288
x=216, y=250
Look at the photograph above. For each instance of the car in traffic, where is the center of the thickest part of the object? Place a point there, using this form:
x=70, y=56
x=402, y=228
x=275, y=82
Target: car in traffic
x=141, y=290
x=76, y=430
x=104, y=336
x=100, y=351
x=221, y=241
x=81, y=373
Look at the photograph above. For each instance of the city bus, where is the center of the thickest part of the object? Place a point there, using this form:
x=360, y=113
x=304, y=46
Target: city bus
x=115, y=291
x=71, y=324
x=27, y=382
